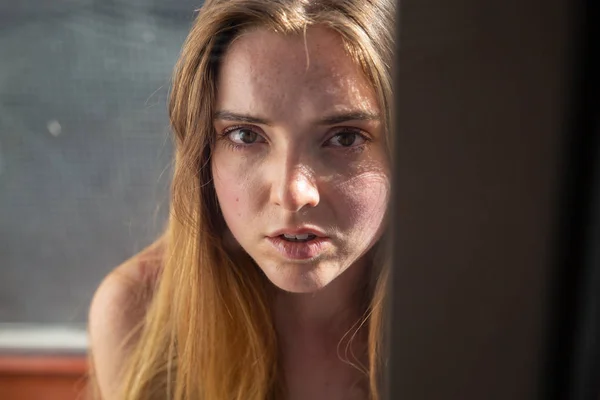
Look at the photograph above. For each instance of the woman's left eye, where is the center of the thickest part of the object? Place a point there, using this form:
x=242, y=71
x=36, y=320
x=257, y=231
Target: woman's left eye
x=347, y=139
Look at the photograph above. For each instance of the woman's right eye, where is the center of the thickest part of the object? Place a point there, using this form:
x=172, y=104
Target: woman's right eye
x=244, y=136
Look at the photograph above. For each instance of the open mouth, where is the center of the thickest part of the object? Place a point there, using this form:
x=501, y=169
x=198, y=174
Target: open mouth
x=307, y=237
x=303, y=246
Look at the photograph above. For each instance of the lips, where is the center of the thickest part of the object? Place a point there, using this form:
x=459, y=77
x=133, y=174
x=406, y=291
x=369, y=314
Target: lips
x=299, y=250
x=299, y=243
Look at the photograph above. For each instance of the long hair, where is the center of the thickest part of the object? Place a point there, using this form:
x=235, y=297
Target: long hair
x=208, y=333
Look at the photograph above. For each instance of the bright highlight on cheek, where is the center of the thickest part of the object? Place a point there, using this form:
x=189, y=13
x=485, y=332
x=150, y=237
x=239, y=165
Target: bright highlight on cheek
x=370, y=194
x=362, y=203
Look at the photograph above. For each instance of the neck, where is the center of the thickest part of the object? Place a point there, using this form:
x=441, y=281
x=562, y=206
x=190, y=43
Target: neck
x=317, y=322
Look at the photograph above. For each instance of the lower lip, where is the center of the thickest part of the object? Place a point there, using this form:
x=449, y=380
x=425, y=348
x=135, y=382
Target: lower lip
x=299, y=250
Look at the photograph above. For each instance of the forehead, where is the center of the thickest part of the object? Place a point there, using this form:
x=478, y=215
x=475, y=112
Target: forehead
x=292, y=76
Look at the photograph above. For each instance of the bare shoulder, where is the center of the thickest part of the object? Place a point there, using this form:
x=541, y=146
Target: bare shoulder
x=118, y=306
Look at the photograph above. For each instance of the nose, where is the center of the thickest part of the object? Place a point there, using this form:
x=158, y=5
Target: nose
x=295, y=189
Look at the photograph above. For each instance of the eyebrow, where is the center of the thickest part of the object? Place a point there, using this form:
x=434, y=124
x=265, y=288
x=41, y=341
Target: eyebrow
x=333, y=119
x=231, y=116
x=348, y=116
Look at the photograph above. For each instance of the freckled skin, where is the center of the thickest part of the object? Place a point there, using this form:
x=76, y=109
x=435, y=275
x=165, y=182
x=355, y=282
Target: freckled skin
x=292, y=174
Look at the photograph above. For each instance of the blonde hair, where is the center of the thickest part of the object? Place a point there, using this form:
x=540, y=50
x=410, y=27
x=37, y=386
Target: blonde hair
x=208, y=333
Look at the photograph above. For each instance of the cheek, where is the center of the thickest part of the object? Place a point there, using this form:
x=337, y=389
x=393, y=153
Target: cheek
x=229, y=186
x=235, y=190
x=363, y=203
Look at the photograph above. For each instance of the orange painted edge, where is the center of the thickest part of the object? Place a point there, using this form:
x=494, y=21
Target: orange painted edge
x=43, y=365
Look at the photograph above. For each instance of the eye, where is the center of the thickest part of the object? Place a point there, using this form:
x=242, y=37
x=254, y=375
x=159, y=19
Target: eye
x=243, y=136
x=347, y=138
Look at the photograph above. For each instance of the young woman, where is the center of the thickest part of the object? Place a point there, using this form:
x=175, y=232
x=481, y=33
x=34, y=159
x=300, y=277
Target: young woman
x=269, y=282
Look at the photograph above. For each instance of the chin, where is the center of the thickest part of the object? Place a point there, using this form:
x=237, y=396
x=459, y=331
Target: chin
x=297, y=278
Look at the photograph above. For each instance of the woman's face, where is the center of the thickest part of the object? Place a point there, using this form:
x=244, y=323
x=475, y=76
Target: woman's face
x=300, y=167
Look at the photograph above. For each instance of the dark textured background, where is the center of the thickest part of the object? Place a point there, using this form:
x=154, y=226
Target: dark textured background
x=77, y=200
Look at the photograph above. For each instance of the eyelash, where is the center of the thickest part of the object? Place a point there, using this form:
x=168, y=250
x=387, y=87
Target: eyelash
x=234, y=146
x=354, y=149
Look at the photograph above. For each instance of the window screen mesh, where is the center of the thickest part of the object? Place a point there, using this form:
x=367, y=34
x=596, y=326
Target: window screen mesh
x=85, y=150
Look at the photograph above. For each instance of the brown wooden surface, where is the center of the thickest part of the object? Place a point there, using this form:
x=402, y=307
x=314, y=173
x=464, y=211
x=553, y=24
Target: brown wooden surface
x=42, y=377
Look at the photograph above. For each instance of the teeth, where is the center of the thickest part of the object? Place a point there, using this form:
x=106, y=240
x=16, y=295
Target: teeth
x=297, y=237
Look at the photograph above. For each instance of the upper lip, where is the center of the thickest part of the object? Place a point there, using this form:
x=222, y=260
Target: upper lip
x=303, y=230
